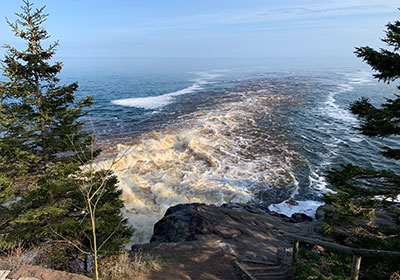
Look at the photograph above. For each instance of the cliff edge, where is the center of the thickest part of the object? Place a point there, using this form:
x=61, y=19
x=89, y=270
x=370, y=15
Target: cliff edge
x=203, y=241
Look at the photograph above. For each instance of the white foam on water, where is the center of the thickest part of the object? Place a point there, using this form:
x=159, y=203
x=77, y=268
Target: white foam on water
x=344, y=121
x=353, y=79
x=388, y=199
x=359, y=77
x=288, y=208
x=319, y=183
x=156, y=102
x=214, y=157
x=334, y=111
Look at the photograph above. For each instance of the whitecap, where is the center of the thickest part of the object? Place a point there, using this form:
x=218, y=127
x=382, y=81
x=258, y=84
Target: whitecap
x=156, y=102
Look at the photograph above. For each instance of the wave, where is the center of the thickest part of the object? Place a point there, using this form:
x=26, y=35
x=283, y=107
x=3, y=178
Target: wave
x=156, y=102
x=333, y=110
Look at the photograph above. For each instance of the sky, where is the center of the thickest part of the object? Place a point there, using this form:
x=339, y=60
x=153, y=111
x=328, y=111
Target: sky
x=210, y=28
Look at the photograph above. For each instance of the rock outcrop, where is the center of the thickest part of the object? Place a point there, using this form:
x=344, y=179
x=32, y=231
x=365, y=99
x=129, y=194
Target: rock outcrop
x=31, y=272
x=247, y=229
x=186, y=222
x=203, y=241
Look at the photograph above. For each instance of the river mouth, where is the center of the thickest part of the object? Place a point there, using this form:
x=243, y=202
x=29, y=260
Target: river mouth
x=258, y=141
x=236, y=151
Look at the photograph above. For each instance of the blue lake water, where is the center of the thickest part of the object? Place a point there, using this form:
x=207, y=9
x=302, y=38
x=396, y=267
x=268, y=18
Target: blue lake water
x=224, y=130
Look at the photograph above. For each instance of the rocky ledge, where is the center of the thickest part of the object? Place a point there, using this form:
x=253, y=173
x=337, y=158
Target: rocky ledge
x=205, y=240
x=186, y=222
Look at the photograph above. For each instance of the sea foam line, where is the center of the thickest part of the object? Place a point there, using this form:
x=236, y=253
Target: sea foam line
x=156, y=102
x=345, y=121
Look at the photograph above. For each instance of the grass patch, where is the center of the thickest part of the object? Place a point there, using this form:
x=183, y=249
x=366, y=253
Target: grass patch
x=128, y=266
x=18, y=256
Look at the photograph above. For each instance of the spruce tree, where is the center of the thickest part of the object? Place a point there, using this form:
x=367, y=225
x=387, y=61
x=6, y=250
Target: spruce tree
x=383, y=121
x=42, y=150
x=39, y=119
x=361, y=193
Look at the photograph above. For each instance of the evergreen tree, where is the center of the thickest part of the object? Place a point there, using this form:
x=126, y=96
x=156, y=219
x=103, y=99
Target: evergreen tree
x=382, y=122
x=38, y=118
x=362, y=192
x=42, y=150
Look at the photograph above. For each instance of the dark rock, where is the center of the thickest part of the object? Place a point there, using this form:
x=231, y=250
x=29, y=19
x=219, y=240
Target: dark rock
x=184, y=222
x=385, y=220
x=300, y=217
x=203, y=235
x=182, y=207
x=283, y=217
x=324, y=211
x=180, y=222
x=189, y=222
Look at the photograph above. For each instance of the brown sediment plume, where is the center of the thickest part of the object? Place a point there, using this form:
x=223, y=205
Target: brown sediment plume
x=214, y=157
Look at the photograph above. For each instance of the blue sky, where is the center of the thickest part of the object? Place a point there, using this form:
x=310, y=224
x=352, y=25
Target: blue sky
x=210, y=28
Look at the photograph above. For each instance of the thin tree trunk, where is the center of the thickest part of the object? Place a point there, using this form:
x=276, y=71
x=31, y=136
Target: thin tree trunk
x=93, y=221
x=38, y=95
x=42, y=125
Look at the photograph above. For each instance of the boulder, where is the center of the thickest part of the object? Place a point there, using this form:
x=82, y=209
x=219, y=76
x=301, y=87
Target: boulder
x=385, y=220
x=181, y=222
x=324, y=211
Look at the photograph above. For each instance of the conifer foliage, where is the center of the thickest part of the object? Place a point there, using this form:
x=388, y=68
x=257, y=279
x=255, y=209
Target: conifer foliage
x=384, y=121
x=37, y=116
x=43, y=187
x=365, y=211
x=362, y=193
x=355, y=184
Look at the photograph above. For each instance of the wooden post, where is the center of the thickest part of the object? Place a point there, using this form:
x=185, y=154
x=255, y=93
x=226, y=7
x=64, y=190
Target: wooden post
x=355, y=270
x=295, y=251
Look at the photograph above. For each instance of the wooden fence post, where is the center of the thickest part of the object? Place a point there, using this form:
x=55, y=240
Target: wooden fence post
x=295, y=251
x=355, y=270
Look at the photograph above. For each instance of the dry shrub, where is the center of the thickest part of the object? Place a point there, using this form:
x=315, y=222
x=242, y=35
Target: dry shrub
x=59, y=255
x=19, y=256
x=127, y=266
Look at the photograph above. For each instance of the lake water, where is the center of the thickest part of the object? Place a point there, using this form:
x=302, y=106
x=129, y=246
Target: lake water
x=218, y=131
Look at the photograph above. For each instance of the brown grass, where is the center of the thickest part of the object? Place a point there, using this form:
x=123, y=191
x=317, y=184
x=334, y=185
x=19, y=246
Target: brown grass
x=128, y=266
x=19, y=256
